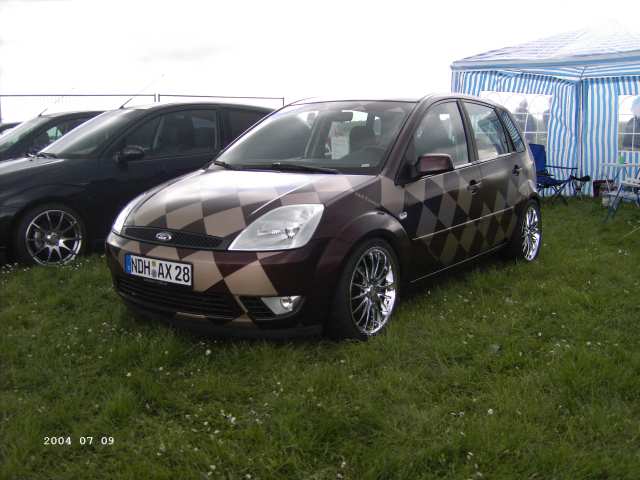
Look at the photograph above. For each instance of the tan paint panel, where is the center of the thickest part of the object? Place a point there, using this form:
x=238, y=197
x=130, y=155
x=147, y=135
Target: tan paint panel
x=224, y=223
x=184, y=216
x=250, y=280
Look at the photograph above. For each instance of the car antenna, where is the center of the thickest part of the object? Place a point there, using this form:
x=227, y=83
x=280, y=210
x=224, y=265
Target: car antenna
x=60, y=97
x=141, y=90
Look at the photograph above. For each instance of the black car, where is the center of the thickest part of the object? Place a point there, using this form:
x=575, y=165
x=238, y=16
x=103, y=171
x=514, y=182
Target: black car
x=5, y=127
x=63, y=200
x=33, y=135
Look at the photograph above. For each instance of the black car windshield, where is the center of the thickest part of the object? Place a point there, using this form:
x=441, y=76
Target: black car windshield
x=90, y=137
x=16, y=134
x=351, y=137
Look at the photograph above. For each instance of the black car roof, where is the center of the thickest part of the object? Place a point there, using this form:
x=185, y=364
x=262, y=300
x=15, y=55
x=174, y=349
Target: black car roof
x=168, y=106
x=75, y=113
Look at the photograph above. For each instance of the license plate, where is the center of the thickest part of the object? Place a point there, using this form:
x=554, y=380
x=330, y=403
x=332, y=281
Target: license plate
x=162, y=270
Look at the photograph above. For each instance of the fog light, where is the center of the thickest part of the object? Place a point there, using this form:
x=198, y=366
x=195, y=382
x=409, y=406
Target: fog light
x=282, y=305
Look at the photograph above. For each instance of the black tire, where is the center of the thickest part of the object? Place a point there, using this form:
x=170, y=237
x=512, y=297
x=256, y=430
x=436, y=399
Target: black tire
x=517, y=248
x=341, y=323
x=60, y=220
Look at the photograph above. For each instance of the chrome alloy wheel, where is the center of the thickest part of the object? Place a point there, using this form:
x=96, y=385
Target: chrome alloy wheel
x=531, y=233
x=372, y=291
x=53, y=237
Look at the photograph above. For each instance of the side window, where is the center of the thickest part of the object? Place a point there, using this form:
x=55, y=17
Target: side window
x=144, y=136
x=441, y=131
x=189, y=131
x=512, y=130
x=241, y=120
x=490, y=137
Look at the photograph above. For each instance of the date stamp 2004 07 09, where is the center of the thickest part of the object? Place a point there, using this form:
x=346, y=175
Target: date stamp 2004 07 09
x=84, y=440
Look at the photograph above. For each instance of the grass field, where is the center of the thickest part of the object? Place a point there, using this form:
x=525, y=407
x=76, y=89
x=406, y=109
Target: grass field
x=500, y=370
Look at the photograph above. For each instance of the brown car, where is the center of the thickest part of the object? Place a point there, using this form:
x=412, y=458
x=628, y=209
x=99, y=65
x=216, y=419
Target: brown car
x=315, y=217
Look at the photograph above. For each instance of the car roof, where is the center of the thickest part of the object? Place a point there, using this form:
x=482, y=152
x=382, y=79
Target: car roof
x=70, y=114
x=369, y=98
x=433, y=97
x=170, y=105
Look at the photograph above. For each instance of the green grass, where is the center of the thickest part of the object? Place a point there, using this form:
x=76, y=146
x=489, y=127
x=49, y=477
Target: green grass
x=500, y=370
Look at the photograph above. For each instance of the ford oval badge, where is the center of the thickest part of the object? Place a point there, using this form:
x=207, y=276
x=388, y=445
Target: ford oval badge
x=163, y=236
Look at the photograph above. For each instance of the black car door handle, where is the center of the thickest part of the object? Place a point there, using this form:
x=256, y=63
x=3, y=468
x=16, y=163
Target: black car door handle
x=516, y=170
x=473, y=186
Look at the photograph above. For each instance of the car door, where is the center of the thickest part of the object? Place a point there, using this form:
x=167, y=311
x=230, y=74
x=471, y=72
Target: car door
x=187, y=140
x=500, y=167
x=122, y=180
x=442, y=209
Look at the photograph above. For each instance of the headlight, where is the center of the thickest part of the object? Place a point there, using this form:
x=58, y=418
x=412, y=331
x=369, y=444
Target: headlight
x=124, y=213
x=282, y=228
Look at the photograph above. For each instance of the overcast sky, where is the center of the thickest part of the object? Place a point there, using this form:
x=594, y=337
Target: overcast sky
x=264, y=48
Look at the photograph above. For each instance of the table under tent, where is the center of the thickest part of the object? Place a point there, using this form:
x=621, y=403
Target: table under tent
x=576, y=93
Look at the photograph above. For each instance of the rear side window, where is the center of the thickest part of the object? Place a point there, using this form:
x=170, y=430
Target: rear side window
x=187, y=132
x=441, y=131
x=512, y=130
x=241, y=120
x=491, y=139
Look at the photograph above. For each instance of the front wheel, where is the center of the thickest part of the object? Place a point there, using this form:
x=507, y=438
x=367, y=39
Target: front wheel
x=367, y=292
x=527, y=238
x=51, y=234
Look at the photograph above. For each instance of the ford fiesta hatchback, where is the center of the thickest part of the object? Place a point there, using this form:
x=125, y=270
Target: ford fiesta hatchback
x=317, y=216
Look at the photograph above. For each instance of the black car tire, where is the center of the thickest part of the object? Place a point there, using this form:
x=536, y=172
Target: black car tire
x=62, y=228
x=518, y=248
x=341, y=323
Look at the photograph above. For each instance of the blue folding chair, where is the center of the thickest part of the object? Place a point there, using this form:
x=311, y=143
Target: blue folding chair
x=548, y=181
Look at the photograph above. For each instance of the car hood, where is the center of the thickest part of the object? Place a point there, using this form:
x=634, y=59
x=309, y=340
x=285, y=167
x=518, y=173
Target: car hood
x=27, y=163
x=221, y=203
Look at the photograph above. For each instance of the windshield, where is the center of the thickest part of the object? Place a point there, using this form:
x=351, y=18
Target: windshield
x=347, y=137
x=91, y=136
x=16, y=134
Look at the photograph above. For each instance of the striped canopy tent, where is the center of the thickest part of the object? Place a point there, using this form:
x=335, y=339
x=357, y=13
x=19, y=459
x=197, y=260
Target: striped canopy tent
x=575, y=92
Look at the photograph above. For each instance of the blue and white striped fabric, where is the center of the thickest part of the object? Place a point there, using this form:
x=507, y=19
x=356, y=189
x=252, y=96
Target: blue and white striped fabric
x=585, y=75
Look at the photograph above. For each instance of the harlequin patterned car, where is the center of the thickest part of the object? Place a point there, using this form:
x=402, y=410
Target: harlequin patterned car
x=315, y=218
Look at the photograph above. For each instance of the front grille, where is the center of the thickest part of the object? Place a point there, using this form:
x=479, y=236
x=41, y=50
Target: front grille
x=179, y=299
x=179, y=238
x=256, y=308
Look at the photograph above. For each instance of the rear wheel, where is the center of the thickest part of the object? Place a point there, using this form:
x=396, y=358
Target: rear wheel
x=367, y=292
x=527, y=238
x=51, y=234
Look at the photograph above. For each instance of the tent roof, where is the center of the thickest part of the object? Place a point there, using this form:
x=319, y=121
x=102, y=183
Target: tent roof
x=605, y=44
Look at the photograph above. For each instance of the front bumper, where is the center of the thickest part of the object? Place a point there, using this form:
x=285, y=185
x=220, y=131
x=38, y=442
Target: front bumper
x=227, y=287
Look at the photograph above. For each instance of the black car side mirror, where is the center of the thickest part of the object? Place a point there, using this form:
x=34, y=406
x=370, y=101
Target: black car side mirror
x=434, y=163
x=129, y=153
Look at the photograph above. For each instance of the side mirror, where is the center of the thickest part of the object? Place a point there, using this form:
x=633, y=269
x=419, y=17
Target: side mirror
x=130, y=153
x=434, y=163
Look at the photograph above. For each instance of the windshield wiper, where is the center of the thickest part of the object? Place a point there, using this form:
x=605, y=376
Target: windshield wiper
x=222, y=164
x=297, y=167
x=45, y=155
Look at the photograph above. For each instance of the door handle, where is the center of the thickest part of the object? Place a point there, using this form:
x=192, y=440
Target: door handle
x=473, y=187
x=516, y=170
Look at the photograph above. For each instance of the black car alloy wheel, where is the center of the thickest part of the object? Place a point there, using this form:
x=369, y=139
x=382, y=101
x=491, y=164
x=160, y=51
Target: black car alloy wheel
x=50, y=235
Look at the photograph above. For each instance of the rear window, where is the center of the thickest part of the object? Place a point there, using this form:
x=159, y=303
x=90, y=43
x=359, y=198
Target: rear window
x=241, y=120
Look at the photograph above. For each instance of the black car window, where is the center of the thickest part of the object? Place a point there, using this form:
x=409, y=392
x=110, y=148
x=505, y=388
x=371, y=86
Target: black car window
x=186, y=132
x=490, y=137
x=144, y=136
x=241, y=120
x=516, y=139
x=441, y=131
x=93, y=135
